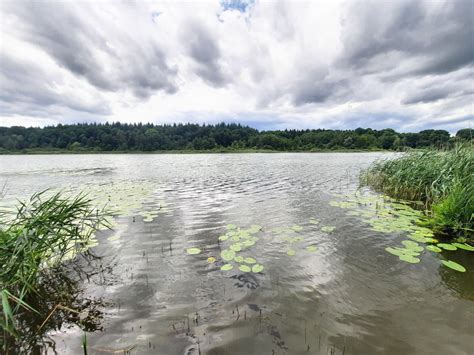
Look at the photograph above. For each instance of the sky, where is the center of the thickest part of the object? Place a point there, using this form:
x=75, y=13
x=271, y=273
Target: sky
x=406, y=65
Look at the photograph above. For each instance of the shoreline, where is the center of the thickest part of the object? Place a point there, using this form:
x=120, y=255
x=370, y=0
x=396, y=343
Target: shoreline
x=212, y=151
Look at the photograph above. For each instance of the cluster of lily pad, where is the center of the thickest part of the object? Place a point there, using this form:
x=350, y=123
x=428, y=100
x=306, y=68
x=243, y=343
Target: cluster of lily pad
x=153, y=209
x=292, y=235
x=387, y=215
x=240, y=240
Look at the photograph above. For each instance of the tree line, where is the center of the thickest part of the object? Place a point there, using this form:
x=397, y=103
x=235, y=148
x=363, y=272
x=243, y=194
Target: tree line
x=222, y=136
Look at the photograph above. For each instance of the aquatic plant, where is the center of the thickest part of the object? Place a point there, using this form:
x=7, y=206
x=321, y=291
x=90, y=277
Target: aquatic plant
x=442, y=180
x=453, y=265
x=193, y=251
x=242, y=240
x=44, y=232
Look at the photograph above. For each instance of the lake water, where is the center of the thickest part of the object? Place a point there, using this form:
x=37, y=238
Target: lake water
x=348, y=297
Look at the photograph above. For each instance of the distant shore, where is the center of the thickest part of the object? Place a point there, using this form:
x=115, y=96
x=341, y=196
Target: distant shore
x=184, y=151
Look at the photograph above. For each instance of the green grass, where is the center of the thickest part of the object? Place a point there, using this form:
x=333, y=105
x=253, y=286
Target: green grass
x=35, y=241
x=443, y=180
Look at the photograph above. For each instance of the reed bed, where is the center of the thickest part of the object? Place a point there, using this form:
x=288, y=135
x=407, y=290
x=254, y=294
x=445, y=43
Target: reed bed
x=35, y=241
x=442, y=180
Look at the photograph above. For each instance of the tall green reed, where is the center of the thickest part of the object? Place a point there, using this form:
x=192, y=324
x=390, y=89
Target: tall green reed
x=34, y=242
x=443, y=180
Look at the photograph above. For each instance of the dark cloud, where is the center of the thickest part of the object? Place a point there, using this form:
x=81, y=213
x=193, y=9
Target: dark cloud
x=317, y=91
x=112, y=64
x=25, y=91
x=204, y=50
x=430, y=95
x=438, y=40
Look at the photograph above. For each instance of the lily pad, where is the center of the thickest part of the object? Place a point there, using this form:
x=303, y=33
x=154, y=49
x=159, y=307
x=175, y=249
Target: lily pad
x=235, y=238
x=409, y=259
x=227, y=255
x=236, y=247
x=250, y=260
x=223, y=238
x=433, y=248
x=311, y=248
x=296, y=228
x=231, y=227
x=254, y=228
x=227, y=267
x=257, y=268
x=453, y=265
x=291, y=252
x=464, y=246
x=328, y=229
x=401, y=252
x=412, y=245
x=211, y=260
x=248, y=243
x=239, y=259
x=446, y=246
x=245, y=268
x=313, y=221
x=193, y=251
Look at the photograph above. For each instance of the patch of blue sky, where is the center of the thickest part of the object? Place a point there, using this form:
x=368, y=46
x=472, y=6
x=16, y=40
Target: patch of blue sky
x=239, y=5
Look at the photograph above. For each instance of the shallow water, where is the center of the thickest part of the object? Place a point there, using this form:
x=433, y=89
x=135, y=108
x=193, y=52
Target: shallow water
x=349, y=296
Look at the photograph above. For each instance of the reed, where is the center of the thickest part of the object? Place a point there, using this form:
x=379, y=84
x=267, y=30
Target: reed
x=34, y=242
x=443, y=180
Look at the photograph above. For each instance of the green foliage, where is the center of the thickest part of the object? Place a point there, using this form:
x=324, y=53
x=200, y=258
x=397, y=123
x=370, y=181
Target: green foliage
x=442, y=180
x=219, y=137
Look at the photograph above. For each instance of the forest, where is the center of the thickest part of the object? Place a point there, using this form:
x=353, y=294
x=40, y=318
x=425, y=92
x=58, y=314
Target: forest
x=222, y=137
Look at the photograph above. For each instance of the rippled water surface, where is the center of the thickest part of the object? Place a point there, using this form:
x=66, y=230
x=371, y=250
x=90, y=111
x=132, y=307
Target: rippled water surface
x=347, y=297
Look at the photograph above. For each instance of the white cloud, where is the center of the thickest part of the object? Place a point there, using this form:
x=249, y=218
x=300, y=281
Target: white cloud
x=292, y=64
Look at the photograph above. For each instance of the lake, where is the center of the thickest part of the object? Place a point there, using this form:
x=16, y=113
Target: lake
x=317, y=290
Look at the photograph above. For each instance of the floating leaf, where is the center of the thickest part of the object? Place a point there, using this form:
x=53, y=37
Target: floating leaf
x=446, y=246
x=328, y=229
x=211, y=260
x=235, y=238
x=239, y=259
x=296, y=228
x=245, y=268
x=227, y=255
x=250, y=260
x=419, y=238
x=291, y=252
x=402, y=251
x=409, y=259
x=254, y=228
x=464, y=246
x=434, y=248
x=313, y=221
x=223, y=238
x=227, y=267
x=453, y=265
x=231, y=227
x=412, y=245
x=236, y=247
x=248, y=243
x=193, y=251
x=311, y=248
x=257, y=268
